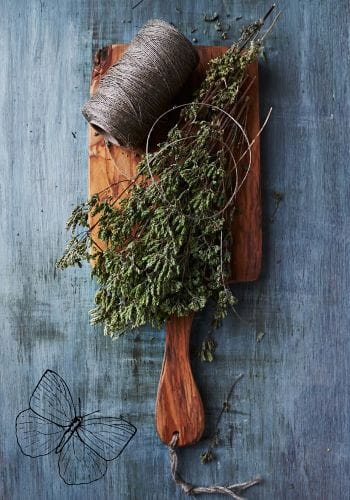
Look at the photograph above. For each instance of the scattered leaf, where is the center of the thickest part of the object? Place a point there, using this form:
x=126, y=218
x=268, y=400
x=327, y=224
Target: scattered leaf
x=211, y=18
x=207, y=350
x=260, y=336
x=207, y=457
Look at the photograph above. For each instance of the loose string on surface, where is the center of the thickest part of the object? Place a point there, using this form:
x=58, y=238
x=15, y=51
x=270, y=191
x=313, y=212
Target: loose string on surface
x=232, y=490
x=159, y=152
x=247, y=151
x=140, y=86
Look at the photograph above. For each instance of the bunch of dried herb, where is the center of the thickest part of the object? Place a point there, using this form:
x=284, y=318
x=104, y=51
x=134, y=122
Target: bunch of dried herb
x=168, y=242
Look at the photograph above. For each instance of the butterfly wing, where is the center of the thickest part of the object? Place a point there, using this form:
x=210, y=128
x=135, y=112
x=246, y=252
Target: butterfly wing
x=37, y=436
x=107, y=436
x=52, y=399
x=79, y=464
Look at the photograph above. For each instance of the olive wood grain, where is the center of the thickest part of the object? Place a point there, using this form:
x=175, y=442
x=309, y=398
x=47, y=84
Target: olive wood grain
x=179, y=407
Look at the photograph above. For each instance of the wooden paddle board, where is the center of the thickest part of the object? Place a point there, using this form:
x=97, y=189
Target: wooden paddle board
x=179, y=407
x=246, y=250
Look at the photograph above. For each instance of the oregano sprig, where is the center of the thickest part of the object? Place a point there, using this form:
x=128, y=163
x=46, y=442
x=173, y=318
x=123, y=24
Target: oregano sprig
x=166, y=246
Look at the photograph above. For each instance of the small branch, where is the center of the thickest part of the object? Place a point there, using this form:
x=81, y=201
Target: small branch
x=136, y=4
x=224, y=409
x=270, y=27
x=268, y=12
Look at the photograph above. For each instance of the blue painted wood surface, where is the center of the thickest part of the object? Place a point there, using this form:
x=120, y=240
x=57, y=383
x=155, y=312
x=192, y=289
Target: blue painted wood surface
x=289, y=420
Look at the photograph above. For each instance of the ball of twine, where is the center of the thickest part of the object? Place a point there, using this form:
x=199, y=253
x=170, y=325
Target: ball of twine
x=140, y=86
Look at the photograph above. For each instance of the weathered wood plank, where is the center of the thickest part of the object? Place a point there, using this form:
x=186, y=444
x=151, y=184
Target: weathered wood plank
x=109, y=168
x=289, y=420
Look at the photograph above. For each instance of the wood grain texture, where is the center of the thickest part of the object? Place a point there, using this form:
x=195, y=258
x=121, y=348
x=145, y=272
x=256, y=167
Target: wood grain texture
x=179, y=407
x=289, y=419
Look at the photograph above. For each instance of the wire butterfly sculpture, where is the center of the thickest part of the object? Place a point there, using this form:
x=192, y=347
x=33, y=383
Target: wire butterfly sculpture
x=84, y=443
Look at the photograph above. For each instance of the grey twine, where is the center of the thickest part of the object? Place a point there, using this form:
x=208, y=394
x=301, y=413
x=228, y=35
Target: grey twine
x=232, y=490
x=140, y=86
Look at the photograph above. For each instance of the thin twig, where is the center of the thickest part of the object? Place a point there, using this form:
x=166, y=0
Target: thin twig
x=224, y=408
x=271, y=26
x=268, y=12
x=136, y=4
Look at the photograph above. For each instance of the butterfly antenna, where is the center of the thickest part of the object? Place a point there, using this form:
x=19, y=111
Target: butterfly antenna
x=92, y=413
x=79, y=406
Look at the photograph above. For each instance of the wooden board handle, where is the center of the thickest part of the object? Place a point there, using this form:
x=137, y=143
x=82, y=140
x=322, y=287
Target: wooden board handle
x=179, y=407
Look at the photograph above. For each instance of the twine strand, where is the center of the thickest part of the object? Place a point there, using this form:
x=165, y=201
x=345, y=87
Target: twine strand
x=247, y=151
x=139, y=87
x=232, y=490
